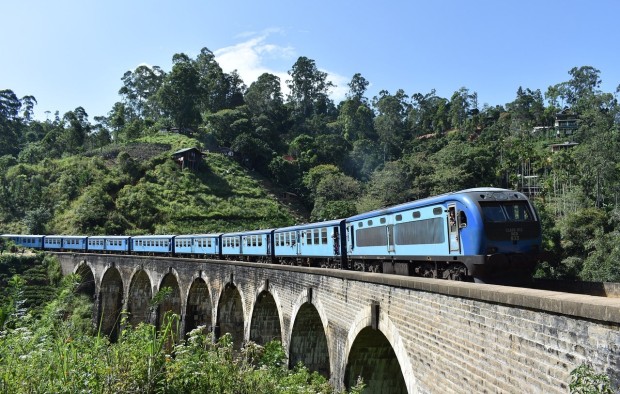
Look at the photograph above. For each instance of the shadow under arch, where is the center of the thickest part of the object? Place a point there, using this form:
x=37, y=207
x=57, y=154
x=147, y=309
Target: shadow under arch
x=139, y=298
x=170, y=303
x=199, y=307
x=110, y=303
x=308, y=342
x=374, y=360
x=87, y=285
x=265, y=323
x=230, y=315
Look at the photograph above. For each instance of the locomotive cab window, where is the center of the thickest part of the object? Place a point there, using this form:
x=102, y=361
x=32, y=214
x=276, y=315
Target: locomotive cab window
x=508, y=211
x=462, y=219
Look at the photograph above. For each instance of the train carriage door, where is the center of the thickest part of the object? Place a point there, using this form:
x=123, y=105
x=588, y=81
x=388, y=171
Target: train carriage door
x=453, y=230
x=297, y=239
x=390, y=238
x=351, y=238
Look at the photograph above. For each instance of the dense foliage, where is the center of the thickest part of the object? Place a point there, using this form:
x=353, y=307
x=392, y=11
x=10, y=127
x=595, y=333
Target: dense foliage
x=71, y=175
x=52, y=348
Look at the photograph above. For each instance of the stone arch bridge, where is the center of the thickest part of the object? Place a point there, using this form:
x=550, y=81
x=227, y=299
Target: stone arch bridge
x=401, y=334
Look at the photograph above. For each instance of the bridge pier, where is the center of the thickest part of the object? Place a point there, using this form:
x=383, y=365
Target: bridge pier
x=401, y=334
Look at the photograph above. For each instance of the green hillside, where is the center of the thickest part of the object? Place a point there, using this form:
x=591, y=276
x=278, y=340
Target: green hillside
x=139, y=189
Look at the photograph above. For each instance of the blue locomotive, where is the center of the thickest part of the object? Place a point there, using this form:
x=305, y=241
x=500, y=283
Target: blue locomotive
x=475, y=234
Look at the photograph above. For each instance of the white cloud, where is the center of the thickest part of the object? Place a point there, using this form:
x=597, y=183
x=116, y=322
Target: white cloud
x=256, y=56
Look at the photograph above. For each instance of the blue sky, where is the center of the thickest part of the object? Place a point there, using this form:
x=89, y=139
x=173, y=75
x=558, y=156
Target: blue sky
x=70, y=53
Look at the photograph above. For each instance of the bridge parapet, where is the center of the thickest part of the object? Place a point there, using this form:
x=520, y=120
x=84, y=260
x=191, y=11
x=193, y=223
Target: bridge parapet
x=402, y=334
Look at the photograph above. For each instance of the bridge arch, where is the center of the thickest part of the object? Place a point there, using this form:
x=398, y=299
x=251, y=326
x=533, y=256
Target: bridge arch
x=199, y=306
x=110, y=303
x=139, y=297
x=266, y=319
x=230, y=315
x=88, y=285
x=308, y=340
x=171, y=303
x=365, y=344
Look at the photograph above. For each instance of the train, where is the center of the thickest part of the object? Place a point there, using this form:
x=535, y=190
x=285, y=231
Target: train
x=478, y=234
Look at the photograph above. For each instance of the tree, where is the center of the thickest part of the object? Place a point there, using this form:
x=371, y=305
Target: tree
x=355, y=116
x=226, y=125
x=139, y=88
x=77, y=129
x=179, y=94
x=309, y=87
x=265, y=95
x=313, y=177
x=387, y=186
x=460, y=106
x=428, y=114
x=254, y=152
x=335, y=197
x=357, y=88
x=28, y=103
x=10, y=125
x=217, y=90
x=527, y=110
x=390, y=122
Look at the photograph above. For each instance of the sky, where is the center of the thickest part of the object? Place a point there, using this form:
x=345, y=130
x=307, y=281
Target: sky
x=72, y=53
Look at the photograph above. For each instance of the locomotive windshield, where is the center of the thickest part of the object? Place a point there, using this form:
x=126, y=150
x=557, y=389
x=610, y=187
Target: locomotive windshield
x=509, y=221
x=506, y=211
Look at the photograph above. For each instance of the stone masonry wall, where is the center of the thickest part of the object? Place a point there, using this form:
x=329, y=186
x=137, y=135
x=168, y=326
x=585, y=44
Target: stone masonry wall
x=448, y=337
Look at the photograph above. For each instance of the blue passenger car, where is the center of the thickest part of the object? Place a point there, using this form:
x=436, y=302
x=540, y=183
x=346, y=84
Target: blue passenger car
x=256, y=245
x=152, y=244
x=248, y=245
x=52, y=242
x=26, y=241
x=198, y=245
x=231, y=245
x=109, y=243
x=459, y=235
x=65, y=242
x=314, y=244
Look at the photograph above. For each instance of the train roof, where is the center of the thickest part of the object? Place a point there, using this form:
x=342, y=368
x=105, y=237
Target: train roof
x=21, y=235
x=109, y=237
x=214, y=235
x=152, y=236
x=67, y=236
x=251, y=232
x=476, y=194
x=305, y=226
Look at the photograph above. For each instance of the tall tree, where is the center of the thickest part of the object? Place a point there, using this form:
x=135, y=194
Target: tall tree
x=357, y=88
x=139, y=87
x=179, y=93
x=217, y=90
x=309, y=87
x=390, y=122
x=264, y=95
x=9, y=122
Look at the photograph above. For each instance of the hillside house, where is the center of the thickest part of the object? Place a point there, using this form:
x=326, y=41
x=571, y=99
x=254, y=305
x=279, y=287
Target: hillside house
x=188, y=158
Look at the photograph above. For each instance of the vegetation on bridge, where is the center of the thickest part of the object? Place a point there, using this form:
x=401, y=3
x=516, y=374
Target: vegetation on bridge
x=51, y=347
